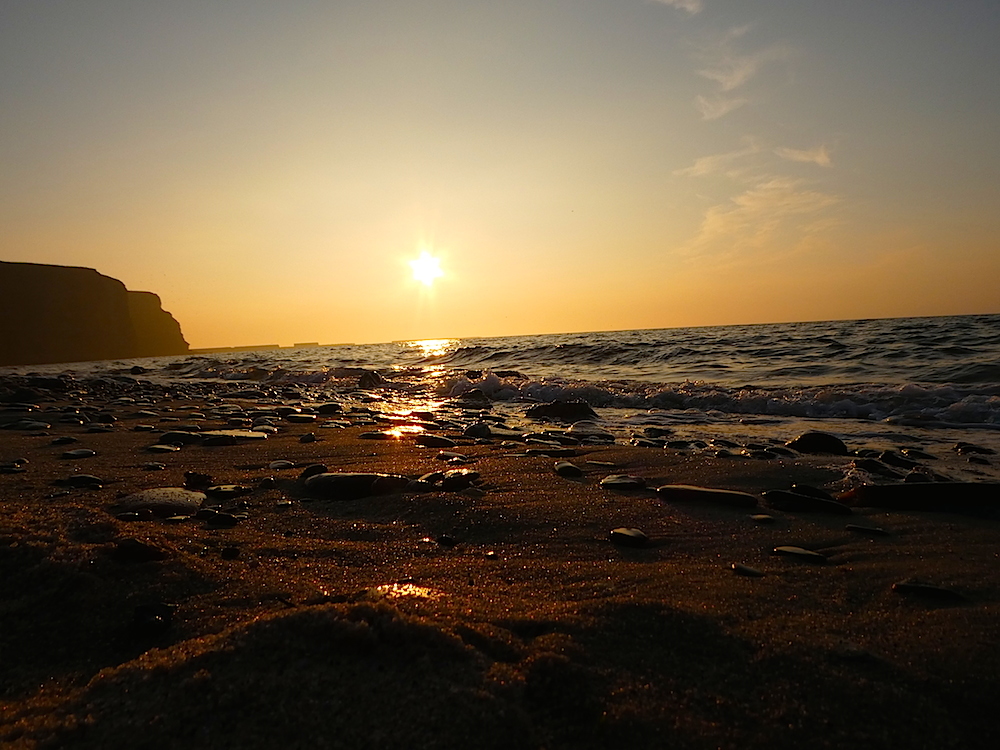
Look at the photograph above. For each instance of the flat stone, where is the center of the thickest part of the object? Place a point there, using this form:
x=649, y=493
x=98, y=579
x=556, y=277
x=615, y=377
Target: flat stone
x=800, y=553
x=682, y=493
x=566, y=469
x=429, y=440
x=159, y=448
x=627, y=537
x=623, y=482
x=555, y=451
x=163, y=501
x=352, y=486
x=79, y=453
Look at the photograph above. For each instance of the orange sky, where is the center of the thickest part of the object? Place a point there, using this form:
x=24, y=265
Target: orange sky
x=271, y=170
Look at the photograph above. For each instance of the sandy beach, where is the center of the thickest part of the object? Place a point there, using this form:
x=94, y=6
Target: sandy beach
x=498, y=615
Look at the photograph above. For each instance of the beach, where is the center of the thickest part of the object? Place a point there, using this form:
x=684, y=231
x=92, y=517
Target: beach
x=501, y=612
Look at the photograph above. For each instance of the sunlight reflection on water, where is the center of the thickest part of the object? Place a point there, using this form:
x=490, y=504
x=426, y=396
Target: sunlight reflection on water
x=434, y=347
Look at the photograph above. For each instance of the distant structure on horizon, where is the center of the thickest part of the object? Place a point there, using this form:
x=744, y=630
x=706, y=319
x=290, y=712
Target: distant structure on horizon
x=52, y=314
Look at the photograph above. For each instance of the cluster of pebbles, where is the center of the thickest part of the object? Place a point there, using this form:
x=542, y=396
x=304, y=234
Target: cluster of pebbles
x=229, y=415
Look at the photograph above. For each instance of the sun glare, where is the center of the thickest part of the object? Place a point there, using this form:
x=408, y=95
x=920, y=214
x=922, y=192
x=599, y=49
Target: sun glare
x=426, y=268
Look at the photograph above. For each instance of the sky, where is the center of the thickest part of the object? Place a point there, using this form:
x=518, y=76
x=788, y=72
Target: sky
x=272, y=170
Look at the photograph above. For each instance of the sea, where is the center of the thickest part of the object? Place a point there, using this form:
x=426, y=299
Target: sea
x=931, y=382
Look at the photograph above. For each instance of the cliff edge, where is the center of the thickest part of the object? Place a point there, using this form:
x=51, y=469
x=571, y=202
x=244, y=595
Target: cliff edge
x=51, y=314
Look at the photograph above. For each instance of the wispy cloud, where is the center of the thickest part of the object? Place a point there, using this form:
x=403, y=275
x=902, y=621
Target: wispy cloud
x=732, y=71
x=716, y=107
x=819, y=155
x=691, y=6
x=715, y=163
x=773, y=214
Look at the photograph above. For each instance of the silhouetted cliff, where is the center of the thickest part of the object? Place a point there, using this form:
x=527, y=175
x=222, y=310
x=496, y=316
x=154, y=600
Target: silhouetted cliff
x=63, y=314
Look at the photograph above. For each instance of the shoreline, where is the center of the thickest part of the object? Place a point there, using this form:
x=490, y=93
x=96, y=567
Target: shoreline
x=500, y=616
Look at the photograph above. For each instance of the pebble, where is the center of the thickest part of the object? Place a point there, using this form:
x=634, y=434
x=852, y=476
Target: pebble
x=164, y=501
x=79, y=453
x=623, y=482
x=800, y=553
x=163, y=448
x=762, y=518
x=687, y=493
x=429, y=440
x=818, y=442
x=566, y=469
x=563, y=411
x=280, y=465
x=353, y=486
x=627, y=537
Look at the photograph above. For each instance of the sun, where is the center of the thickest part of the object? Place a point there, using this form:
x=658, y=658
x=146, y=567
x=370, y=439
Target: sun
x=426, y=268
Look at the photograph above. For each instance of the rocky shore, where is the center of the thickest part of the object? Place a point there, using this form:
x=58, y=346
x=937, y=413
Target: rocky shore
x=472, y=583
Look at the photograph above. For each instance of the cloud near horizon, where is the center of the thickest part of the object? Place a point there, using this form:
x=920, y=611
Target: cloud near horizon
x=772, y=216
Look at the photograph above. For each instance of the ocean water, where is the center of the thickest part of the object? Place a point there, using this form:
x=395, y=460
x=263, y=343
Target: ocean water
x=930, y=381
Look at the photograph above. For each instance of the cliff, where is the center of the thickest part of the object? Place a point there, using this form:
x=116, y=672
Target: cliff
x=52, y=314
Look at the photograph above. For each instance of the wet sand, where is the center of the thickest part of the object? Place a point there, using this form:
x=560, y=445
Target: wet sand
x=498, y=616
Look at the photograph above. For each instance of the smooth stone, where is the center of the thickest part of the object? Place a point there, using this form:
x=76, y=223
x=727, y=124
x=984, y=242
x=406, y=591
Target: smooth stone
x=918, y=454
x=793, y=502
x=300, y=418
x=79, y=453
x=309, y=437
x=457, y=480
x=800, y=553
x=892, y=458
x=64, y=440
x=429, y=440
x=623, y=482
x=746, y=570
x=158, y=448
x=628, y=537
x=687, y=493
x=563, y=411
x=451, y=456
x=165, y=501
x=154, y=466
x=183, y=437
x=566, y=469
x=352, y=485
x=763, y=518
x=218, y=440
x=281, y=464
x=818, y=442
x=478, y=430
